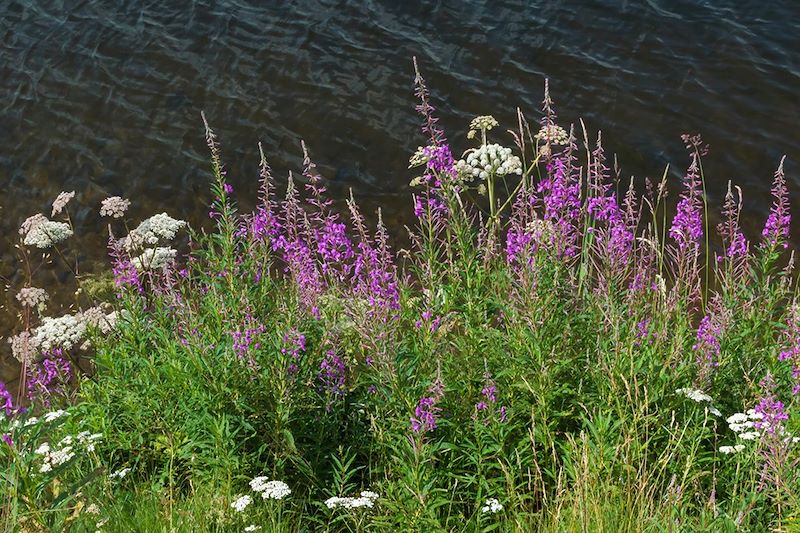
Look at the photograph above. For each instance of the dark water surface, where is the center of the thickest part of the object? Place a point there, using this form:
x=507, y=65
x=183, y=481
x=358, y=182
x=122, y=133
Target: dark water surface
x=104, y=96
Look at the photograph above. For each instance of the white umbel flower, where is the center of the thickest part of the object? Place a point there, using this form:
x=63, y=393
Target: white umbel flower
x=695, y=394
x=61, y=202
x=492, y=506
x=47, y=233
x=154, y=258
x=241, y=503
x=489, y=159
x=366, y=500
x=275, y=490
x=61, y=332
x=727, y=450
x=114, y=206
x=153, y=229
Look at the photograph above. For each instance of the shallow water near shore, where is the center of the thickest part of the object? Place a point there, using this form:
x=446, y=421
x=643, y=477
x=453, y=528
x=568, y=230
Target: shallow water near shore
x=104, y=98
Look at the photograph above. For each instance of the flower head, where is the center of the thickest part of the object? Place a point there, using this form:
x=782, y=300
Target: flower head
x=61, y=202
x=114, y=206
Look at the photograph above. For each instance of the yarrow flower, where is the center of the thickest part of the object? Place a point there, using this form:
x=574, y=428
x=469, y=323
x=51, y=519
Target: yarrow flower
x=492, y=506
x=61, y=202
x=727, y=450
x=61, y=332
x=114, y=206
x=119, y=474
x=366, y=499
x=252, y=527
x=241, y=503
x=47, y=233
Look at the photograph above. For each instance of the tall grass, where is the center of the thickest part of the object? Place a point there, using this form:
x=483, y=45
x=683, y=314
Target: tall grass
x=555, y=352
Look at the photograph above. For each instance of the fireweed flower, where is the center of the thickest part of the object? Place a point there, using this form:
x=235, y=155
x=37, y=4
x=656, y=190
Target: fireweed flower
x=561, y=199
x=332, y=375
x=776, y=228
x=61, y=202
x=294, y=343
x=8, y=401
x=486, y=408
x=707, y=344
x=687, y=226
x=50, y=378
x=424, y=419
x=114, y=206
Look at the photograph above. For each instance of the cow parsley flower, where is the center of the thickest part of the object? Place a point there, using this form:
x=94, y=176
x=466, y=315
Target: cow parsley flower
x=23, y=347
x=33, y=297
x=47, y=233
x=492, y=506
x=114, y=206
x=119, y=474
x=154, y=258
x=553, y=134
x=153, y=229
x=61, y=202
x=252, y=527
x=694, y=394
x=241, y=503
x=61, y=332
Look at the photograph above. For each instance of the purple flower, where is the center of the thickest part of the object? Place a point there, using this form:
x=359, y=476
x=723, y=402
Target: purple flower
x=50, y=379
x=332, y=375
x=776, y=228
x=687, y=226
x=8, y=401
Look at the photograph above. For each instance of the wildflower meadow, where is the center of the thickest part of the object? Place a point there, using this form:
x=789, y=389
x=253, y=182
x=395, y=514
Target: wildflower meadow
x=555, y=349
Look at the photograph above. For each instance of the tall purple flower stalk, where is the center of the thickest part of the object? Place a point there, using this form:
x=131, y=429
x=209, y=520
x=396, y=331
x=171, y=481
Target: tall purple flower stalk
x=776, y=228
x=123, y=269
x=707, y=345
x=424, y=419
x=332, y=376
x=486, y=408
x=790, y=353
x=561, y=198
x=424, y=108
x=294, y=343
x=687, y=226
x=50, y=378
x=8, y=400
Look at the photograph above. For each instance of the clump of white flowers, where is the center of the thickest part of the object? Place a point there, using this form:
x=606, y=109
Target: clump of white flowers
x=61, y=202
x=114, y=206
x=154, y=258
x=151, y=230
x=270, y=490
x=492, y=506
x=47, y=233
x=727, y=450
x=60, y=332
x=553, y=134
x=241, y=503
x=699, y=397
x=488, y=160
x=119, y=474
x=366, y=499
x=54, y=456
x=23, y=347
x=252, y=527
x=33, y=297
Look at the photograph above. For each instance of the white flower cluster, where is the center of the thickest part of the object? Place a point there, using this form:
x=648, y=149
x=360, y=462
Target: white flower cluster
x=489, y=159
x=23, y=347
x=96, y=317
x=154, y=258
x=61, y=202
x=119, y=474
x=61, y=332
x=743, y=424
x=492, y=505
x=31, y=222
x=54, y=456
x=366, y=499
x=151, y=230
x=241, y=503
x=33, y=297
x=699, y=397
x=114, y=206
x=727, y=450
x=47, y=233
x=252, y=527
x=54, y=415
x=270, y=490
x=48, y=417
x=553, y=135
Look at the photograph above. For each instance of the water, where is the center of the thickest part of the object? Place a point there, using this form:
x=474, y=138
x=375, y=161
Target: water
x=104, y=96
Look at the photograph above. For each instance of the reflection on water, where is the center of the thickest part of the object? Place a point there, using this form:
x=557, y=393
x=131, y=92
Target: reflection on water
x=104, y=97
